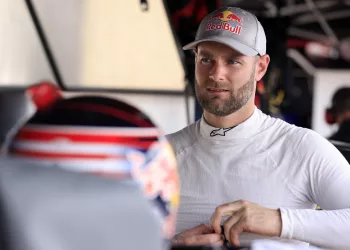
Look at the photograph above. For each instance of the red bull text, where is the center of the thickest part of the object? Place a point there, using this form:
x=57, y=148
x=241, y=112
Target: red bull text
x=224, y=26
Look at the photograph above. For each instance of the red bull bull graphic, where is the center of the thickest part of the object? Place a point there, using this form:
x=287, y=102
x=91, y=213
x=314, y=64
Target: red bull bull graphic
x=233, y=17
x=226, y=17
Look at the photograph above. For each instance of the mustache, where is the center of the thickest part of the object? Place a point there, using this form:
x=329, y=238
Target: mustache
x=216, y=85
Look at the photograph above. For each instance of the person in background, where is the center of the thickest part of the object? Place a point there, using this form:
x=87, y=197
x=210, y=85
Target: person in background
x=339, y=113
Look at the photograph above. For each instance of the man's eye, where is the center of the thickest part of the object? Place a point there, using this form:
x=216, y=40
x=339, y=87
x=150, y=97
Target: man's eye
x=231, y=61
x=205, y=60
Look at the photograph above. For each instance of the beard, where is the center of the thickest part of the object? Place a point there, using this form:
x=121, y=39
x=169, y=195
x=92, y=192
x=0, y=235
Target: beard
x=234, y=102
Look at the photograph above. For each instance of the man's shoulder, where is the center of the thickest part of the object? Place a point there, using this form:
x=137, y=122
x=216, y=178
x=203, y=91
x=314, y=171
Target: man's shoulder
x=184, y=138
x=280, y=128
x=306, y=145
x=295, y=136
x=307, y=141
x=299, y=135
x=308, y=136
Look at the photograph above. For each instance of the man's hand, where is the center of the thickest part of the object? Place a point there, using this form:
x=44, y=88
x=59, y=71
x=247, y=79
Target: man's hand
x=202, y=235
x=245, y=216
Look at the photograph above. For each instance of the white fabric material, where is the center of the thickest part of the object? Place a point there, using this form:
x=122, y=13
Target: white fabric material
x=273, y=245
x=269, y=162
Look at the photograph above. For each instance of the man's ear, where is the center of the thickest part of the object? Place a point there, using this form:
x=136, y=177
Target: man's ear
x=195, y=51
x=261, y=66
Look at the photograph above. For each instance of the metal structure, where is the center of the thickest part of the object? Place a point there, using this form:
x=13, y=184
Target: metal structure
x=314, y=16
x=323, y=21
x=47, y=49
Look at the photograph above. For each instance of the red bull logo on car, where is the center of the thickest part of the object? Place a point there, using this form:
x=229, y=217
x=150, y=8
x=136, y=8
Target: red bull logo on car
x=226, y=17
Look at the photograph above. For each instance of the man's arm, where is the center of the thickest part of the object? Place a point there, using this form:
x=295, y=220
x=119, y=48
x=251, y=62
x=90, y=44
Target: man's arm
x=329, y=186
x=330, y=189
x=328, y=229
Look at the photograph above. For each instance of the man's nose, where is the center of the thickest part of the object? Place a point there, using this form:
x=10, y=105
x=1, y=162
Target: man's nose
x=217, y=72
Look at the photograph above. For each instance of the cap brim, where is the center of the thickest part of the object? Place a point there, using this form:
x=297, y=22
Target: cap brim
x=234, y=44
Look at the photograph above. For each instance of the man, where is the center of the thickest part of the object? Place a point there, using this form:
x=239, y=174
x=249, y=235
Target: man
x=256, y=175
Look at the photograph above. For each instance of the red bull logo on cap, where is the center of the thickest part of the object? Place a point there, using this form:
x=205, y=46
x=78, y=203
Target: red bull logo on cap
x=226, y=17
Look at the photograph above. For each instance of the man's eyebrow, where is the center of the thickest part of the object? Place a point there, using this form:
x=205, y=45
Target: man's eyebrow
x=229, y=56
x=235, y=54
x=205, y=53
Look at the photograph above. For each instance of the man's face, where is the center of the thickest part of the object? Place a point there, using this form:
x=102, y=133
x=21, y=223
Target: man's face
x=225, y=79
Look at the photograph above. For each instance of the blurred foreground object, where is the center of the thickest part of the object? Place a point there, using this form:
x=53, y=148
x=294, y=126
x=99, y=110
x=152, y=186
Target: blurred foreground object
x=50, y=208
x=99, y=136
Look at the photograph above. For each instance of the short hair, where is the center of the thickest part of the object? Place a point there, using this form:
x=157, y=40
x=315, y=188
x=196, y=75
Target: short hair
x=341, y=100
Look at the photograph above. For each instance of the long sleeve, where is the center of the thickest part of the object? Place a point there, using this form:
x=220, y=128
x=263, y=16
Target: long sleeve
x=329, y=175
x=329, y=229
